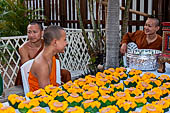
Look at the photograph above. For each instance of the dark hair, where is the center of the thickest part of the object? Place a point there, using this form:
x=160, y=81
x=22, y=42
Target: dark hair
x=52, y=32
x=38, y=23
x=157, y=21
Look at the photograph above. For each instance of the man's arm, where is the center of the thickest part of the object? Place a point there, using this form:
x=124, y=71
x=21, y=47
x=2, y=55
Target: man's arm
x=23, y=54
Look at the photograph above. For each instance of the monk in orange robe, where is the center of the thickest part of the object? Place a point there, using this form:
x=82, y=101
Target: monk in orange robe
x=43, y=69
x=147, y=39
x=31, y=48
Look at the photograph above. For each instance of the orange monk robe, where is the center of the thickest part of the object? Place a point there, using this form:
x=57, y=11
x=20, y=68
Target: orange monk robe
x=33, y=81
x=139, y=37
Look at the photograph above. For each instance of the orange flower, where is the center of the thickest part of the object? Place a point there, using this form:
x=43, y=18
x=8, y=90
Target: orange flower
x=90, y=78
x=91, y=103
x=90, y=95
x=134, y=91
x=80, y=82
x=109, y=109
x=51, y=88
x=121, y=95
x=37, y=93
x=75, y=89
x=126, y=104
x=7, y=109
x=56, y=106
x=90, y=86
x=143, y=86
x=148, y=75
x=104, y=90
x=151, y=108
x=68, y=85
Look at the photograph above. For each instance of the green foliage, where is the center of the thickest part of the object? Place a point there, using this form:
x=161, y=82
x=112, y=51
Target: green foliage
x=14, y=17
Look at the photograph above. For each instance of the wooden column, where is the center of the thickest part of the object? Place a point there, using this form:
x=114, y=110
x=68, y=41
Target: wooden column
x=47, y=11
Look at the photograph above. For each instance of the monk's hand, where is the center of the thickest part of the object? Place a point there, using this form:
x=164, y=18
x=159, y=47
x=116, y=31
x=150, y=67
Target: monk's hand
x=123, y=48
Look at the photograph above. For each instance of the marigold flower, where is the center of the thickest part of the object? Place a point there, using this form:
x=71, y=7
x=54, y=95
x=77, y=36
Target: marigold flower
x=133, y=91
x=153, y=82
x=109, y=109
x=14, y=100
x=140, y=100
x=121, y=95
x=74, y=99
x=151, y=108
x=36, y=94
x=44, y=100
x=90, y=78
x=104, y=90
x=148, y=75
x=152, y=95
x=164, y=78
x=56, y=106
x=100, y=75
x=91, y=103
x=167, y=85
x=90, y=86
x=117, y=87
x=80, y=82
x=68, y=85
x=163, y=104
x=106, y=100
x=75, y=109
x=51, y=88
x=7, y=109
x=90, y=95
x=102, y=82
x=75, y=89
x=60, y=95
x=144, y=86
x=37, y=110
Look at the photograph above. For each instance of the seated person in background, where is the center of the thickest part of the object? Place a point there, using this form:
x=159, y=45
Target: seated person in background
x=31, y=48
x=43, y=69
x=147, y=39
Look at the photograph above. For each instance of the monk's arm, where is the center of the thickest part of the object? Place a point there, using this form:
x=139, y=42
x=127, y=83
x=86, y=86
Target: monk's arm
x=23, y=54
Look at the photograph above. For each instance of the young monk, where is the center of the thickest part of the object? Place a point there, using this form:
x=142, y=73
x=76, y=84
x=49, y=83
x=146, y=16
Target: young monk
x=43, y=70
x=31, y=48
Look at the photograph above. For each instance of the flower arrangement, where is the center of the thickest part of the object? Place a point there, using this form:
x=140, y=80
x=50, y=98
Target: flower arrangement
x=164, y=91
x=91, y=106
x=130, y=82
x=152, y=96
x=36, y=94
x=37, y=110
x=153, y=82
x=134, y=112
x=167, y=85
x=90, y=86
x=109, y=109
x=44, y=100
x=151, y=108
x=106, y=100
x=90, y=95
x=74, y=100
x=80, y=82
x=122, y=76
x=117, y=87
x=148, y=75
x=57, y=107
x=144, y=86
x=125, y=106
x=103, y=82
x=113, y=79
x=50, y=88
x=121, y=69
x=67, y=85
x=14, y=100
x=164, y=78
x=105, y=91
x=108, y=72
x=140, y=101
x=75, y=89
x=1, y=105
x=133, y=91
x=23, y=107
x=75, y=109
x=163, y=104
x=90, y=78
x=60, y=95
x=100, y=75
x=121, y=95
x=134, y=72
x=7, y=109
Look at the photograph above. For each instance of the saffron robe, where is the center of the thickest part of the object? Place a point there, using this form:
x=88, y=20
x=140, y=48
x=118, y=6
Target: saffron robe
x=139, y=37
x=33, y=81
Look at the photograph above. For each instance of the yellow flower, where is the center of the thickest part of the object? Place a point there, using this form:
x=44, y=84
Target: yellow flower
x=90, y=95
x=90, y=78
x=80, y=82
x=153, y=94
x=117, y=86
x=163, y=90
x=102, y=81
x=126, y=104
x=74, y=98
x=129, y=80
x=151, y=80
x=162, y=103
x=107, y=72
x=143, y=86
x=37, y=110
x=75, y=89
x=151, y=108
x=140, y=99
x=167, y=85
x=37, y=93
x=51, y=88
x=59, y=93
x=112, y=70
x=68, y=85
x=121, y=95
x=148, y=75
x=104, y=90
x=75, y=109
x=112, y=77
x=13, y=98
x=106, y=97
x=100, y=75
x=7, y=109
x=166, y=99
x=1, y=105
x=46, y=99
x=164, y=77
x=135, y=72
x=122, y=75
x=134, y=112
x=121, y=69
x=133, y=90
x=91, y=103
x=109, y=109
x=55, y=105
x=28, y=104
x=90, y=86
